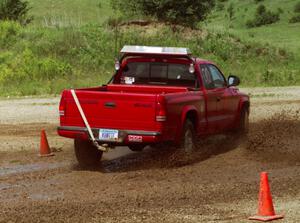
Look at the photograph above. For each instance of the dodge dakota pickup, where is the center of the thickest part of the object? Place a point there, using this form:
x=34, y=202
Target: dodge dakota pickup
x=157, y=95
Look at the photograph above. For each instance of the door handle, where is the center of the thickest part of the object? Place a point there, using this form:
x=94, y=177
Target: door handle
x=218, y=99
x=110, y=104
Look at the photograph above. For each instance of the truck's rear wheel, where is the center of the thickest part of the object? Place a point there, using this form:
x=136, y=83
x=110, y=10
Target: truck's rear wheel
x=86, y=153
x=137, y=147
x=188, y=138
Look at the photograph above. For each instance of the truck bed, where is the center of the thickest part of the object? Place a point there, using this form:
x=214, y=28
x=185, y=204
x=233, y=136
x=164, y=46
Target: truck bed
x=122, y=107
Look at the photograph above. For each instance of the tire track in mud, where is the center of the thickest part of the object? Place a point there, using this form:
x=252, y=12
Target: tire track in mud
x=28, y=129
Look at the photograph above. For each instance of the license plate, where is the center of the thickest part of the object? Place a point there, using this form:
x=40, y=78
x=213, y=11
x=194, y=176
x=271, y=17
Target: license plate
x=108, y=135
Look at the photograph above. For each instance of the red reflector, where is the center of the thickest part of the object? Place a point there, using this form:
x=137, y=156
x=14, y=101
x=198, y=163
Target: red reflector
x=134, y=138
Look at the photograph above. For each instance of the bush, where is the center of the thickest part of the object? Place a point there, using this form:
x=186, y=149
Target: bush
x=263, y=17
x=261, y=10
x=27, y=66
x=295, y=19
x=184, y=12
x=9, y=31
x=297, y=7
x=16, y=10
x=258, y=1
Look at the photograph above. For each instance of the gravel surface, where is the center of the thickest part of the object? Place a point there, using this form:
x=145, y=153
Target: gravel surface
x=29, y=110
x=219, y=183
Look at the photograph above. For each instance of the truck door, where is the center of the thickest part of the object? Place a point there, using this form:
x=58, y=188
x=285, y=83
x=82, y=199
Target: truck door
x=215, y=88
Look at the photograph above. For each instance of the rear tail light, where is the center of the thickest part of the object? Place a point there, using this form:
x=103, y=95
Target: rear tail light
x=62, y=106
x=160, y=109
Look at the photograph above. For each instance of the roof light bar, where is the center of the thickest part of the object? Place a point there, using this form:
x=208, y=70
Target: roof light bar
x=156, y=50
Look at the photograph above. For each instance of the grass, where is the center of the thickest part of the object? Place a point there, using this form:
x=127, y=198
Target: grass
x=281, y=34
x=69, y=45
x=69, y=12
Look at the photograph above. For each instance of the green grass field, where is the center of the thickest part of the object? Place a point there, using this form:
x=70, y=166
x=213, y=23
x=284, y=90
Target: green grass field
x=281, y=34
x=69, y=12
x=70, y=45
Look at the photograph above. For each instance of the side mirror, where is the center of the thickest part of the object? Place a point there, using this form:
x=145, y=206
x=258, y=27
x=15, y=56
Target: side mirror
x=233, y=81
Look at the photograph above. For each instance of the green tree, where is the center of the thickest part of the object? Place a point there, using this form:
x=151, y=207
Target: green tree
x=16, y=10
x=184, y=12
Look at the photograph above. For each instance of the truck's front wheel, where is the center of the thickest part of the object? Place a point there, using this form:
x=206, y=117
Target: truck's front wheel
x=86, y=153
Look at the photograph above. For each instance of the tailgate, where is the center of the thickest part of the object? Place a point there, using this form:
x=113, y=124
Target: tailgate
x=112, y=110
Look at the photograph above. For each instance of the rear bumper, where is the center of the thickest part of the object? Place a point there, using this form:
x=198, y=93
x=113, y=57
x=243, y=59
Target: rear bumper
x=126, y=137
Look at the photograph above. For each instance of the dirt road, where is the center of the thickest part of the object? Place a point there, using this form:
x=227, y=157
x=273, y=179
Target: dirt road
x=218, y=184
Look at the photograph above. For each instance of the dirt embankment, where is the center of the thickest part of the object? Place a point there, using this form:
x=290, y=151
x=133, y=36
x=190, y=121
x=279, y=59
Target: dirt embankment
x=219, y=183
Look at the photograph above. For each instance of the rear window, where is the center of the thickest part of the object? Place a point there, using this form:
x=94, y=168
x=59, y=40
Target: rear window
x=158, y=74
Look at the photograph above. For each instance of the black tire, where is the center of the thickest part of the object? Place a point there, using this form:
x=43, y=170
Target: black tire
x=137, y=147
x=87, y=153
x=188, y=138
x=243, y=126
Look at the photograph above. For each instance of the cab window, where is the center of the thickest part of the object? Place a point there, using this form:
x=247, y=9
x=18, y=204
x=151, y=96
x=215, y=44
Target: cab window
x=217, y=76
x=155, y=73
x=212, y=77
x=206, y=77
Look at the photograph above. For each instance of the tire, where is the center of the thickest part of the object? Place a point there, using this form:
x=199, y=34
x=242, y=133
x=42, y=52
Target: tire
x=137, y=147
x=86, y=153
x=188, y=138
x=243, y=127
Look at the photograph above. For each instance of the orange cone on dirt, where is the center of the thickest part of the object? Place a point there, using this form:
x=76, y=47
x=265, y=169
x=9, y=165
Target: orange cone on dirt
x=44, y=145
x=265, y=205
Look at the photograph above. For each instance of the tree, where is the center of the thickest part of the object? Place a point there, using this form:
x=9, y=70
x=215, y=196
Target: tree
x=184, y=12
x=16, y=10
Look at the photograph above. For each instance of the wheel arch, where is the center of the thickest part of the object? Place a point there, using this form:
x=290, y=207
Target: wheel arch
x=188, y=112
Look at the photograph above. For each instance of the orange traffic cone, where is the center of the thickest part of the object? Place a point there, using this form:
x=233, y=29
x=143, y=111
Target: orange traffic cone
x=44, y=145
x=265, y=206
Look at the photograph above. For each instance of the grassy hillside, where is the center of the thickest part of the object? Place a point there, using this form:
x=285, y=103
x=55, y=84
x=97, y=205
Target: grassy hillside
x=69, y=45
x=70, y=12
x=281, y=34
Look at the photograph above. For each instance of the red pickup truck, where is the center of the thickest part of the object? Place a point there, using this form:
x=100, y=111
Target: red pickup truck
x=157, y=94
